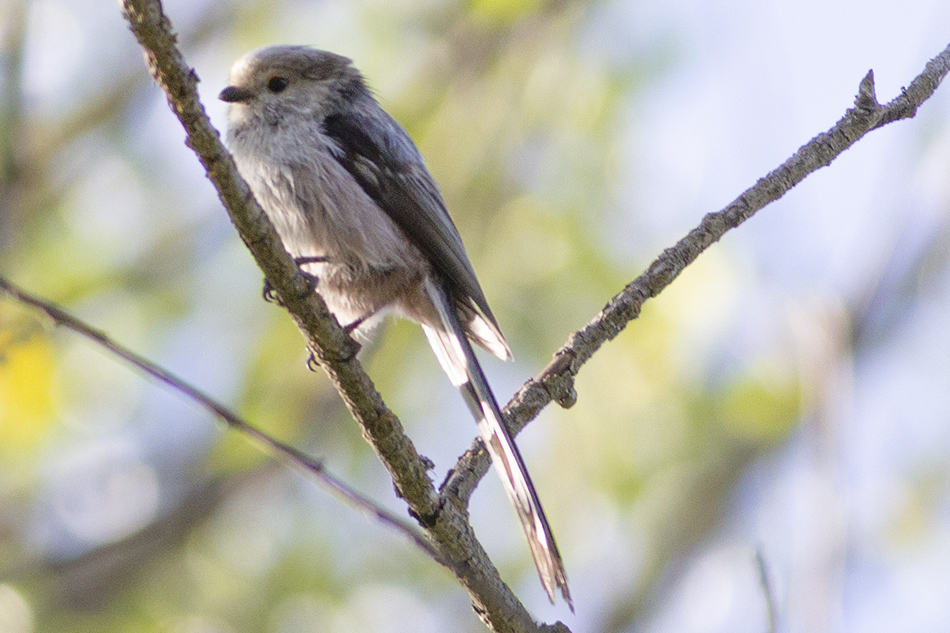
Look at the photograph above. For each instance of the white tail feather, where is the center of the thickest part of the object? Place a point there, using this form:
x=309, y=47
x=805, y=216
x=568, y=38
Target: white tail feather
x=458, y=360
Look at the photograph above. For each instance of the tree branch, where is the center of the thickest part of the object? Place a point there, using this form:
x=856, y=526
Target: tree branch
x=556, y=381
x=445, y=524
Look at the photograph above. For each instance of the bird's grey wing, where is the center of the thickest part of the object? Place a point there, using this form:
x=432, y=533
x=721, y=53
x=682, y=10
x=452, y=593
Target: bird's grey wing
x=379, y=155
x=382, y=158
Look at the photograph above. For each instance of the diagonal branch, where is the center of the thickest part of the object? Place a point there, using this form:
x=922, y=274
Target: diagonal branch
x=335, y=350
x=288, y=453
x=556, y=381
x=446, y=525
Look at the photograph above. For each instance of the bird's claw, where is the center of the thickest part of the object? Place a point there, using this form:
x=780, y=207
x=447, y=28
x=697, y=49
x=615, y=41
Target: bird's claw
x=270, y=296
x=268, y=292
x=312, y=363
x=313, y=281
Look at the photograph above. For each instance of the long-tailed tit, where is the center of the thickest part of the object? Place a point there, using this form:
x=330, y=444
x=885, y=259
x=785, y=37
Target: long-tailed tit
x=353, y=202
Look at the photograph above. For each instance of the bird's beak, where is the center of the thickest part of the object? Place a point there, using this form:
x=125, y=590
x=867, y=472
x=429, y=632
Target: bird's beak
x=233, y=94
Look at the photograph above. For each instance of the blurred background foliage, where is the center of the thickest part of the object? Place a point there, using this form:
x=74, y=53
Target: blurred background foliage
x=786, y=396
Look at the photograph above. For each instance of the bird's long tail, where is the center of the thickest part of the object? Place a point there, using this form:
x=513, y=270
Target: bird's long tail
x=457, y=358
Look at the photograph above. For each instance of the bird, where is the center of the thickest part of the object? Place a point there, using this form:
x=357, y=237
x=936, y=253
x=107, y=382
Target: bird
x=353, y=202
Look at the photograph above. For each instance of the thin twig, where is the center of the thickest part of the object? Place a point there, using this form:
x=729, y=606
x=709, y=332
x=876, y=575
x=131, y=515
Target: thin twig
x=288, y=453
x=556, y=381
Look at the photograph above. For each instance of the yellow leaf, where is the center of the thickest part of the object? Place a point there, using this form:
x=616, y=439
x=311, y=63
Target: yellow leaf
x=26, y=389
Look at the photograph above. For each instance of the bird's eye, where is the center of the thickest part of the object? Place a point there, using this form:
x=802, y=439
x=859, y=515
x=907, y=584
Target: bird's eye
x=277, y=83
